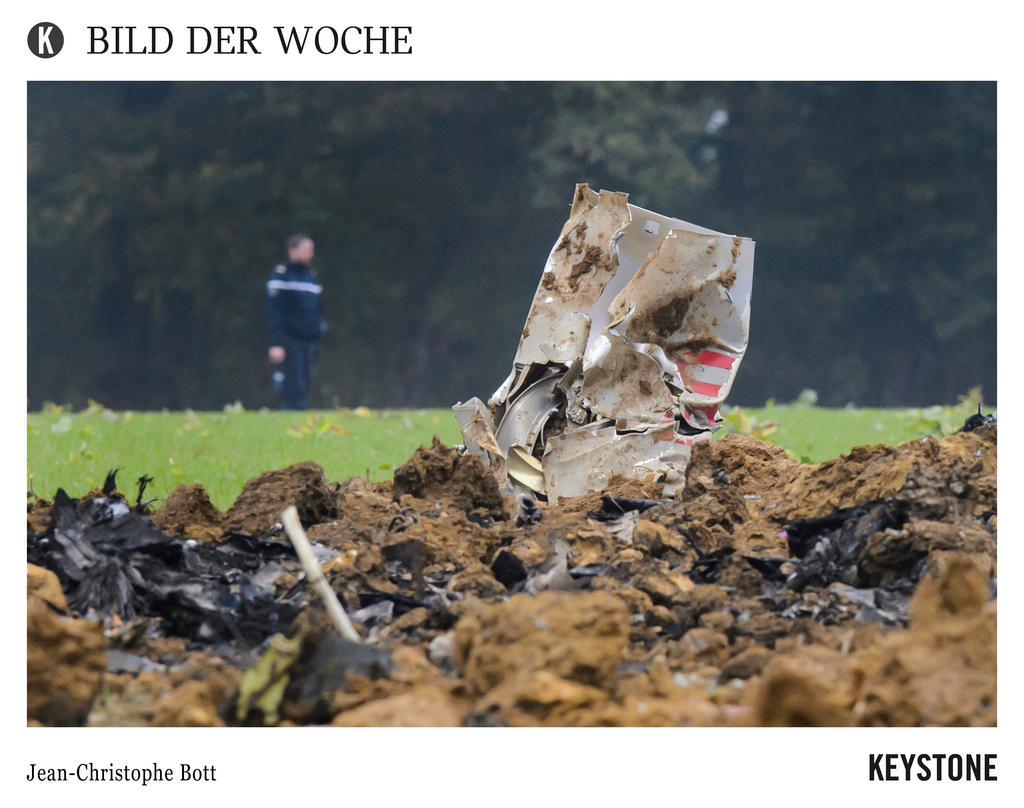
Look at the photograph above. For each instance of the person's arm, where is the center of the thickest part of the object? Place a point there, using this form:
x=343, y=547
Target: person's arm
x=275, y=319
x=320, y=313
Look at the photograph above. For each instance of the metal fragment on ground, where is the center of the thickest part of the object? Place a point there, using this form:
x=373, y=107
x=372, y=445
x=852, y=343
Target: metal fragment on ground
x=632, y=342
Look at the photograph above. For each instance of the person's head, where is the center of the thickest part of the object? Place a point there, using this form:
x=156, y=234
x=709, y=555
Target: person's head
x=300, y=249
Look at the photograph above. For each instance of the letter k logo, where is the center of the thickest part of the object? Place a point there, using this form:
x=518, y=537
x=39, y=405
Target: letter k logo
x=45, y=40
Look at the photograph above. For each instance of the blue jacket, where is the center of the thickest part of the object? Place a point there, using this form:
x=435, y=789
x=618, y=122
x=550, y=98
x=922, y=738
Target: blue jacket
x=294, y=304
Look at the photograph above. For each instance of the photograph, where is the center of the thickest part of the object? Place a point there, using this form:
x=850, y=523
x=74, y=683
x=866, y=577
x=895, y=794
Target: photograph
x=511, y=404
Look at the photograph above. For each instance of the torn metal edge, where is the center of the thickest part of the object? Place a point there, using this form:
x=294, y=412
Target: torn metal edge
x=636, y=331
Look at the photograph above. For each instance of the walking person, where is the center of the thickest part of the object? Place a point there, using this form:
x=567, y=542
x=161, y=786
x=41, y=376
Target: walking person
x=295, y=321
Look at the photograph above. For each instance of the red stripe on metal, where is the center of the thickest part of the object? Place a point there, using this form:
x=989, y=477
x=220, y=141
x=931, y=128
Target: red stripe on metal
x=716, y=360
x=710, y=411
x=705, y=389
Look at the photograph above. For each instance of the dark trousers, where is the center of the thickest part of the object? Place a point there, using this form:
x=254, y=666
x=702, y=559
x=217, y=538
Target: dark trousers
x=298, y=362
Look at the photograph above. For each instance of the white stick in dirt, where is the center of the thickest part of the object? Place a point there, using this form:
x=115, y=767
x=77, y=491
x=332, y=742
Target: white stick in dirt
x=290, y=520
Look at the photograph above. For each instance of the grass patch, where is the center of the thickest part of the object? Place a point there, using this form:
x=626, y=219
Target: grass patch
x=222, y=450
x=815, y=434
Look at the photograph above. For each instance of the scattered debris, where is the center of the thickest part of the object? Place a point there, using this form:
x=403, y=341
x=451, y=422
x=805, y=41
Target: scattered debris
x=634, y=337
x=859, y=591
x=290, y=519
x=113, y=562
x=300, y=675
x=974, y=421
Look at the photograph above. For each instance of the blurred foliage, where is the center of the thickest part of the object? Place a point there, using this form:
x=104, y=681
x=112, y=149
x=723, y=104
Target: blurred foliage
x=157, y=210
x=315, y=423
x=739, y=421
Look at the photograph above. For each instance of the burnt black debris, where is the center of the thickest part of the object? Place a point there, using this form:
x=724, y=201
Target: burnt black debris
x=614, y=507
x=706, y=568
x=770, y=567
x=406, y=559
x=400, y=602
x=112, y=561
x=508, y=569
x=975, y=421
x=324, y=667
x=297, y=677
x=527, y=512
x=826, y=555
x=830, y=547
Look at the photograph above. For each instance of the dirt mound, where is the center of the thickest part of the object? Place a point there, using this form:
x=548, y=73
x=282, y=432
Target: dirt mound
x=38, y=515
x=66, y=662
x=263, y=499
x=189, y=513
x=618, y=486
x=859, y=591
x=542, y=659
x=752, y=464
x=420, y=707
x=963, y=464
x=579, y=637
x=45, y=585
x=941, y=671
x=443, y=474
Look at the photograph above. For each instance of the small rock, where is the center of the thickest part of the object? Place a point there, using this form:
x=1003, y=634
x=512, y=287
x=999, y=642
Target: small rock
x=423, y=707
x=441, y=649
x=747, y=663
x=584, y=640
x=717, y=621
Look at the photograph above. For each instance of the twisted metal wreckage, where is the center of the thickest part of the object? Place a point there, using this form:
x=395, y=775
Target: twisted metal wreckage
x=634, y=337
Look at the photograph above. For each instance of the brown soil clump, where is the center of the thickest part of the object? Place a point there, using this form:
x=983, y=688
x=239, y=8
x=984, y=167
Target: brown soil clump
x=423, y=707
x=38, y=516
x=44, y=584
x=441, y=473
x=189, y=513
x=263, y=498
x=197, y=702
x=578, y=637
x=66, y=663
x=618, y=486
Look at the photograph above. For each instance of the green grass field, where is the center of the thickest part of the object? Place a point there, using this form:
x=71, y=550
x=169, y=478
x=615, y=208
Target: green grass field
x=222, y=450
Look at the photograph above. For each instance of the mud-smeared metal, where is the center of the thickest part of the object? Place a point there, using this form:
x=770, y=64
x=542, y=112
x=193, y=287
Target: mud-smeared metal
x=633, y=340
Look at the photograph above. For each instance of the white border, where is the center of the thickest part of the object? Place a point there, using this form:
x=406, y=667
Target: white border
x=535, y=41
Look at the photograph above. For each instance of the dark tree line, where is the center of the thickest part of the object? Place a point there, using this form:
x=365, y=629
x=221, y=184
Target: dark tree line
x=156, y=212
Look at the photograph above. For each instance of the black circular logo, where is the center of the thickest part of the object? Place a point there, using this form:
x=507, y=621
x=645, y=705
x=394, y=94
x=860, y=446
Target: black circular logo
x=45, y=39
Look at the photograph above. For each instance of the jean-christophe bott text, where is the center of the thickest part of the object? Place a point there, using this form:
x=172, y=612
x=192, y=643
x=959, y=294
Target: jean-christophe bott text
x=223, y=40
x=111, y=773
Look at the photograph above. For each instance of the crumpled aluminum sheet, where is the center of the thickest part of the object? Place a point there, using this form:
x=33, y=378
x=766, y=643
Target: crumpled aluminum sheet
x=633, y=340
